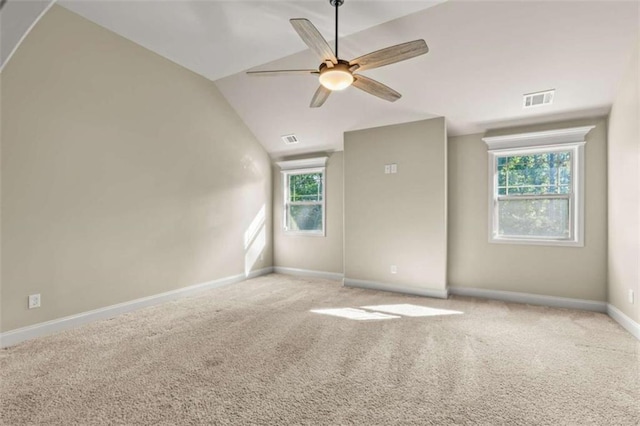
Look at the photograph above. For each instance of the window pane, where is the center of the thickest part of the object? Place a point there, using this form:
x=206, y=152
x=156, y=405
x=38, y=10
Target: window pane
x=538, y=174
x=305, y=218
x=305, y=187
x=539, y=218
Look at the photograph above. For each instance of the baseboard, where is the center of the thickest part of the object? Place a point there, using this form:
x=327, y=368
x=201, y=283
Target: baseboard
x=16, y=336
x=260, y=272
x=396, y=288
x=335, y=276
x=531, y=299
x=13, y=337
x=627, y=323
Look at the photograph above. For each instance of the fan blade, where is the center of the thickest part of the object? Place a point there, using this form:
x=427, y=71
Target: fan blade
x=312, y=37
x=390, y=55
x=319, y=97
x=376, y=88
x=279, y=72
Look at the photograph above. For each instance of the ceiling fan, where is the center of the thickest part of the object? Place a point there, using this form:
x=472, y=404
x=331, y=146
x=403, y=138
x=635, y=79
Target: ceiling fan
x=337, y=74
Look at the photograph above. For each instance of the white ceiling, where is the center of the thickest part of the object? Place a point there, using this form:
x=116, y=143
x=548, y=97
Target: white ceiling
x=218, y=38
x=484, y=56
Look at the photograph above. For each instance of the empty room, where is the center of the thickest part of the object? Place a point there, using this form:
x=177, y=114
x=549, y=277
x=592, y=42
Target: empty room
x=319, y=212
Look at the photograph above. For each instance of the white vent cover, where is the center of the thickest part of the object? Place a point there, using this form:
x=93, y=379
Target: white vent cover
x=538, y=99
x=290, y=139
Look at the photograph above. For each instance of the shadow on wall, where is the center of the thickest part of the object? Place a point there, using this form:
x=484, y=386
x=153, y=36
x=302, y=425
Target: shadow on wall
x=255, y=240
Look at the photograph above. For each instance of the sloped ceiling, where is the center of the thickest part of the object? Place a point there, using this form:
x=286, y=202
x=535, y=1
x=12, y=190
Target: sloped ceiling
x=484, y=55
x=220, y=38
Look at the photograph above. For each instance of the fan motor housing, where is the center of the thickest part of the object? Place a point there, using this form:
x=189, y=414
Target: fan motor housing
x=342, y=65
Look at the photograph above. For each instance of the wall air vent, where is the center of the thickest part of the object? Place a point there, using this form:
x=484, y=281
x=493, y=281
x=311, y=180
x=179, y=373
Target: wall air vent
x=290, y=139
x=538, y=99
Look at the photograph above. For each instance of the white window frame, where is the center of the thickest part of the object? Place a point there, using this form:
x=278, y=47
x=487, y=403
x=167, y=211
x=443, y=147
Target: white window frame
x=563, y=140
x=302, y=167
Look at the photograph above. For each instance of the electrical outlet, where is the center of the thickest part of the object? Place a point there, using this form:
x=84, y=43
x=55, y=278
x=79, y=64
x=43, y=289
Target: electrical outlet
x=387, y=169
x=394, y=168
x=34, y=301
x=631, y=296
x=394, y=269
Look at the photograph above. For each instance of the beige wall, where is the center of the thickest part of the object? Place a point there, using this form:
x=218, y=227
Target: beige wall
x=123, y=174
x=624, y=193
x=312, y=253
x=575, y=272
x=397, y=219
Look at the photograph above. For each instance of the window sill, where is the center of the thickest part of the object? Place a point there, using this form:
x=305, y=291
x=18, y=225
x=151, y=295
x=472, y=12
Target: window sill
x=304, y=234
x=536, y=242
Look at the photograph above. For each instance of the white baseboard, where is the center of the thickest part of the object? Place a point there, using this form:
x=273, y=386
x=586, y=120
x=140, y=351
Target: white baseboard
x=16, y=336
x=396, y=288
x=13, y=337
x=531, y=299
x=260, y=272
x=627, y=323
x=335, y=276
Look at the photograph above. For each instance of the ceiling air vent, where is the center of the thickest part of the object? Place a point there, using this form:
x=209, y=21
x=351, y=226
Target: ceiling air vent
x=289, y=139
x=538, y=99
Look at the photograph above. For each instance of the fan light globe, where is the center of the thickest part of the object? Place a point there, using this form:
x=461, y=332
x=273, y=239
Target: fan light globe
x=336, y=79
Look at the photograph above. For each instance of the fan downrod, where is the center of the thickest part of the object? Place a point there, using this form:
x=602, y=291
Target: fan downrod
x=336, y=4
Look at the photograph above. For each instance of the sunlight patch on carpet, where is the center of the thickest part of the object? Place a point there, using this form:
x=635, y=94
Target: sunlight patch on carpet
x=354, y=314
x=409, y=310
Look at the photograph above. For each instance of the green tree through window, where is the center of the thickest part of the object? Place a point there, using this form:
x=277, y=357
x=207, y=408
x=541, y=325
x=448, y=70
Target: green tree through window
x=533, y=194
x=536, y=187
x=304, y=201
x=306, y=187
x=548, y=173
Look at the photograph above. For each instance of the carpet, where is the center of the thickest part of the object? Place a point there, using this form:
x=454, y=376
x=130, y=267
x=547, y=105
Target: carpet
x=253, y=353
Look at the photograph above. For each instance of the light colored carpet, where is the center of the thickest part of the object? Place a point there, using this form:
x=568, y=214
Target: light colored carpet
x=252, y=353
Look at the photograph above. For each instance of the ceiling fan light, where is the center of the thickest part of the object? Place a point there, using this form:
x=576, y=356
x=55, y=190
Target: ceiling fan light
x=336, y=79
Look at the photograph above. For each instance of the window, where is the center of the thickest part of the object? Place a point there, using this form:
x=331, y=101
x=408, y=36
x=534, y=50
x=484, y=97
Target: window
x=304, y=196
x=536, y=187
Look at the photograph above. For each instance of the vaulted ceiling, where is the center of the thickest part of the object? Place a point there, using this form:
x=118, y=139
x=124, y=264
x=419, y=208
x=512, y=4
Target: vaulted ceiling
x=484, y=55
